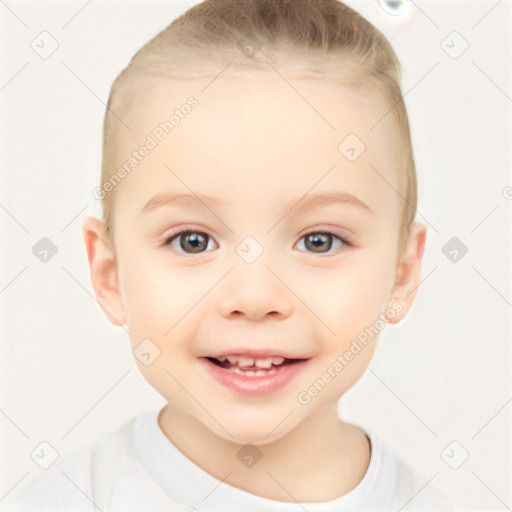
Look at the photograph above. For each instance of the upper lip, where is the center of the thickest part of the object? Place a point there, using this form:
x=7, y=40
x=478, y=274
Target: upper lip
x=256, y=354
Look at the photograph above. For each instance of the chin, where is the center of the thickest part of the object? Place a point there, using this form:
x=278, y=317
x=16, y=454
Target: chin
x=252, y=429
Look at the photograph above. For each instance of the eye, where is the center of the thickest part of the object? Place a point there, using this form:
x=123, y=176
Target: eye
x=322, y=241
x=190, y=241
x=196, y=241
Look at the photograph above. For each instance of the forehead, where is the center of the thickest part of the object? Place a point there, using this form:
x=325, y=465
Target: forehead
x=260, y=136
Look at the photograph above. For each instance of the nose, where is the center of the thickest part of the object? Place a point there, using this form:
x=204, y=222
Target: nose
x=255, y=291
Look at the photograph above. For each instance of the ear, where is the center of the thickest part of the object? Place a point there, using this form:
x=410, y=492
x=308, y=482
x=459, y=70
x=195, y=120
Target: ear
x=103, y=271
x=408, y=273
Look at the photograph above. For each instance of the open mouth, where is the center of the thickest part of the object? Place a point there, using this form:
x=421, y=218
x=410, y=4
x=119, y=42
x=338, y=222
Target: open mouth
x=253, y=375
x=251, y=367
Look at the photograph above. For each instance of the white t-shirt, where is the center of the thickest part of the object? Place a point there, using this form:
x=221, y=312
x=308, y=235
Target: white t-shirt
x=138, y=469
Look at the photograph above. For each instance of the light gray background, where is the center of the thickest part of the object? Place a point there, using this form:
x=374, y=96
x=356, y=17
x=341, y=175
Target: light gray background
x=442, y=375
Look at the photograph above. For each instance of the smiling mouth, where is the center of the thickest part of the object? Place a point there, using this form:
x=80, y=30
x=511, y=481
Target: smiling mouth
x=254, y=373
x=248, y=366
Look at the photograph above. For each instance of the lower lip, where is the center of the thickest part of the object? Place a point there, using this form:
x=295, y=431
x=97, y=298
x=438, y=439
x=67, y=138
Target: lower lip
x=254, y=385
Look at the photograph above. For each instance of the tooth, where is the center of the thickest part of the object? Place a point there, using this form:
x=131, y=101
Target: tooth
x=241, y=360
x=263, y=363
x=245, y=361
x=265, y=372
x=251, y=373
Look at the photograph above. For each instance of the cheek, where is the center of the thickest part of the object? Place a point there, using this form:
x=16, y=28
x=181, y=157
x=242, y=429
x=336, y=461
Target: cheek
x=348, y=298
x=148, y=296
x=159, y=298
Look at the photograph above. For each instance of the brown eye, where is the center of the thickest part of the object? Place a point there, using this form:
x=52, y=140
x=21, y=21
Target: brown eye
x=322, y=242
x=190, y=242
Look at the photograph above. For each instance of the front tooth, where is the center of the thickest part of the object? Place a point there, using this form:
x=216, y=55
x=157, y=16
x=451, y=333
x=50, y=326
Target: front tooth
x=241, y=360
x=245, y=361
x=263, y=363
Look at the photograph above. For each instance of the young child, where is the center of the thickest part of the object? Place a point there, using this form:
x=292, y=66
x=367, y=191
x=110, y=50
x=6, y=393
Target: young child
x=259, y=194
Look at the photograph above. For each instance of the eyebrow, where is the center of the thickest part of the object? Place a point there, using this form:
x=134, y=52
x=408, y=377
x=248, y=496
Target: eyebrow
x=309, y=201
x=170, y=199
x=306, y=202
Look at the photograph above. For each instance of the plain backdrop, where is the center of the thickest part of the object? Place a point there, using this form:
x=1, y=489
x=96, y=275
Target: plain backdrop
x=438, y=388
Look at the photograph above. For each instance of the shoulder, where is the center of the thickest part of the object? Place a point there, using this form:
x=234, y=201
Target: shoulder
x=76, y=481
x=420, y=492
x=65, y=484
x=410, y=489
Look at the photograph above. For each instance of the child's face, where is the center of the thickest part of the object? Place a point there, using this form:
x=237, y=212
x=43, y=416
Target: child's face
x=255, y=147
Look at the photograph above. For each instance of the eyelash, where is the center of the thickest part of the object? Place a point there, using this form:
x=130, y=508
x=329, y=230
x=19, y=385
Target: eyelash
x=186, y=230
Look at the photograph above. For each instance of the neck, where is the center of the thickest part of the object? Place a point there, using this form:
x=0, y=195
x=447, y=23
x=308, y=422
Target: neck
x=321, y=459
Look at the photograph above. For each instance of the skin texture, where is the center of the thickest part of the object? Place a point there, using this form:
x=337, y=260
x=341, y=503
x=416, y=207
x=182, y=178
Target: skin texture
x=257, y=145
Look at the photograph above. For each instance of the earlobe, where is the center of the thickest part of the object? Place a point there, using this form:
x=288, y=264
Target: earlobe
x=103, y=271
x=408, y=274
